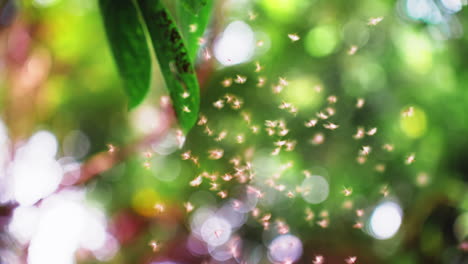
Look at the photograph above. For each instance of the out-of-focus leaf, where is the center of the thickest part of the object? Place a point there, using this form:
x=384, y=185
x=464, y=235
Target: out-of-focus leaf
x=129, y=46
x=174, y=61
x=193, y=24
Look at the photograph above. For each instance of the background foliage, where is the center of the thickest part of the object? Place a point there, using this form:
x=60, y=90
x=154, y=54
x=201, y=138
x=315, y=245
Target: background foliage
x=58, y=75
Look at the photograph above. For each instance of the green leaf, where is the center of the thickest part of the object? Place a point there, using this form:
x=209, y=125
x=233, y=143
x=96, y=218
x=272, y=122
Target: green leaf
x=199, y=19
x=129, y=46
x=194, y=5
x=174, y=61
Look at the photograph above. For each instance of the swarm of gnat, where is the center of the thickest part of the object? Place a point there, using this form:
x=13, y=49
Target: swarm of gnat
x=410, y=159
x=352, y=50
x=252, y=15
x=347, y=191
x=155, y=246
x=277, y=88
x=309, y=215
x=188, y=207
x=222, y=135
x=311, y=123
x=360, y=133
x=261, y=81
x=283, y=82
x=241, y=170
x=351, y=260
x=365, y=150
x=408, y=112
x=240, y=79
x=219, y=104
x=258, y=67
x=282, y=227
x=373, y=21
x=360, y=103
x=227, y=82
x=331, y=126
x=358, y=225
x=318, y=139
x=159, y=208
x=388, y=147
x=293, y=37
x=318, y=259
x=215, y=154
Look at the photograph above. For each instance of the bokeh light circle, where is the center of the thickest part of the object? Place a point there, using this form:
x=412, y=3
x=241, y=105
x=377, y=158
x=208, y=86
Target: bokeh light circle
x=385, y=220
x=315, y=189
x=235, y=45
x=414, y=125
x=285, y=248
x=322, y=40
x=215, y=231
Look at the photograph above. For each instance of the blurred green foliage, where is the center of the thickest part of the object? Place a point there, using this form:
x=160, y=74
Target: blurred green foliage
x=399, y=63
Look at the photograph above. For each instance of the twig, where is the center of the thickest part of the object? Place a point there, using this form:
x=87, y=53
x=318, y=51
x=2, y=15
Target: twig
x=106, y=160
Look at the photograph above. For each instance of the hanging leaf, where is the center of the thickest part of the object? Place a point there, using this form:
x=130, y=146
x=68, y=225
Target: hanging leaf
x=194, y=6
x=174, y=61
x=129, y=47
x=193, y=24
